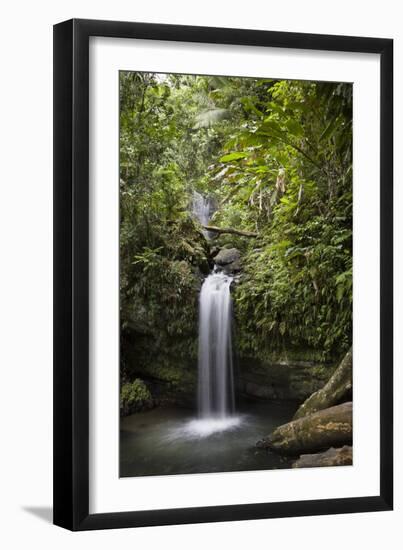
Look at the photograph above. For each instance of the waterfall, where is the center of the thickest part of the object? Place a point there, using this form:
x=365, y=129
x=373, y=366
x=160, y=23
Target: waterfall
x=216, y=384
x=215, y=369
x=201, y=209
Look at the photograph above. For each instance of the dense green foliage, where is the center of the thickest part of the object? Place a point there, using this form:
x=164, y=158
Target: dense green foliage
x=291, y=166
x=161, y=248
x=276, y=157
x=134, y=397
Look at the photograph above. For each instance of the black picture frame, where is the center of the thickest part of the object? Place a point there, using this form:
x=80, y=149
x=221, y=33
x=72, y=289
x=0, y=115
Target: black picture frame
x=71, y=274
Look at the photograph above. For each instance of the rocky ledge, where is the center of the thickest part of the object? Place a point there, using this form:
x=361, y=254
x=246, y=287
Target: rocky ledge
x=315, y=432
x=332, y=457
x=320, y=425
x=228, y=260
x=337, y=390
x=283, y=378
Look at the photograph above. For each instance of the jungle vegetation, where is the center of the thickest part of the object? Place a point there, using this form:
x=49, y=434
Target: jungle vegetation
x=276, y=158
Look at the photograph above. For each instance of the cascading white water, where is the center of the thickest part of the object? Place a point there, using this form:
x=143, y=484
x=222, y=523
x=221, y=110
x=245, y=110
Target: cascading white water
x=201, y=209
x=216, y=382
x=215, y=368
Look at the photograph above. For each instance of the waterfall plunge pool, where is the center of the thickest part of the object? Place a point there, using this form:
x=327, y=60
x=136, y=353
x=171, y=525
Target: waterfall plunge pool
x=222, y=438
x=167, y=441
x=204, y=427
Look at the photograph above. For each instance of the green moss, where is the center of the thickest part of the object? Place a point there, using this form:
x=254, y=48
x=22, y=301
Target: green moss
x=177, y=376
x=135, y=397
x=159, y=304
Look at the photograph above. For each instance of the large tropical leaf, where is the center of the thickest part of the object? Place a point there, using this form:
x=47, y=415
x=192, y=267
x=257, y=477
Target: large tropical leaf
x=237, y=155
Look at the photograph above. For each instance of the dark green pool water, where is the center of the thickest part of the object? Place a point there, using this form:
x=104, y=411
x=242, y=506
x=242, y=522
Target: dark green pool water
x=172, y=441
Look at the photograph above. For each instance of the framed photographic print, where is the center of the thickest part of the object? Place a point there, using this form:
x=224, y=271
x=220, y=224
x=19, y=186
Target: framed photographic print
x=223, y=321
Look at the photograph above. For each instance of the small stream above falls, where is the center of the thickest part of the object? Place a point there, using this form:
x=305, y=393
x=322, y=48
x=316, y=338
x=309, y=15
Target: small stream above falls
x=202, y=209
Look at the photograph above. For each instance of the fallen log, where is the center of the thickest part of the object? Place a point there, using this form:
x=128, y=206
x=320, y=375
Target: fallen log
x=230, y=230
x=331, y=457
x=332, y=427
x=337, y=390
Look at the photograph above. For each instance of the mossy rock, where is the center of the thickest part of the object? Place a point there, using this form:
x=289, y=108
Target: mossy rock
x=337, y=390
x=135, y=397
x=332, y=427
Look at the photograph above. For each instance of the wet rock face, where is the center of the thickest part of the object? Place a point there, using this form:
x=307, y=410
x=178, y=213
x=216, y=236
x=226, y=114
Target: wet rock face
x=228, y=260
x=332, y=457
x=293, y=380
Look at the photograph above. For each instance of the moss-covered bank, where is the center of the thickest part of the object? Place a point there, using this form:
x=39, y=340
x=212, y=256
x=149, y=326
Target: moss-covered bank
x=159, y=340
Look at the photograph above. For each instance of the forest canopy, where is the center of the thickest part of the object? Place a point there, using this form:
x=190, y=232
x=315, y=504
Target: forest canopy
x=275, y=157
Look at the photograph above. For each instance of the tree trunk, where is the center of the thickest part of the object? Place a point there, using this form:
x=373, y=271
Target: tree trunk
x=331, y=427
x=331, y=457
x=337, y=390
x=231, y=230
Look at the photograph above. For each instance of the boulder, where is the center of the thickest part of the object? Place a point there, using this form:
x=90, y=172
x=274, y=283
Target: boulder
x=332, y=457
x=227, y=256
x=332, y=427
x=135, y=397
x=229, y=260
x=214, y=250
x=337, y=390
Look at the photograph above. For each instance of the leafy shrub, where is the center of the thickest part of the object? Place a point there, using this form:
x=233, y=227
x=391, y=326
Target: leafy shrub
x=135, y=397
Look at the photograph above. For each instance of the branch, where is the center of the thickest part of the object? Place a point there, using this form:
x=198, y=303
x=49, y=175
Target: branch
x=231, y=230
